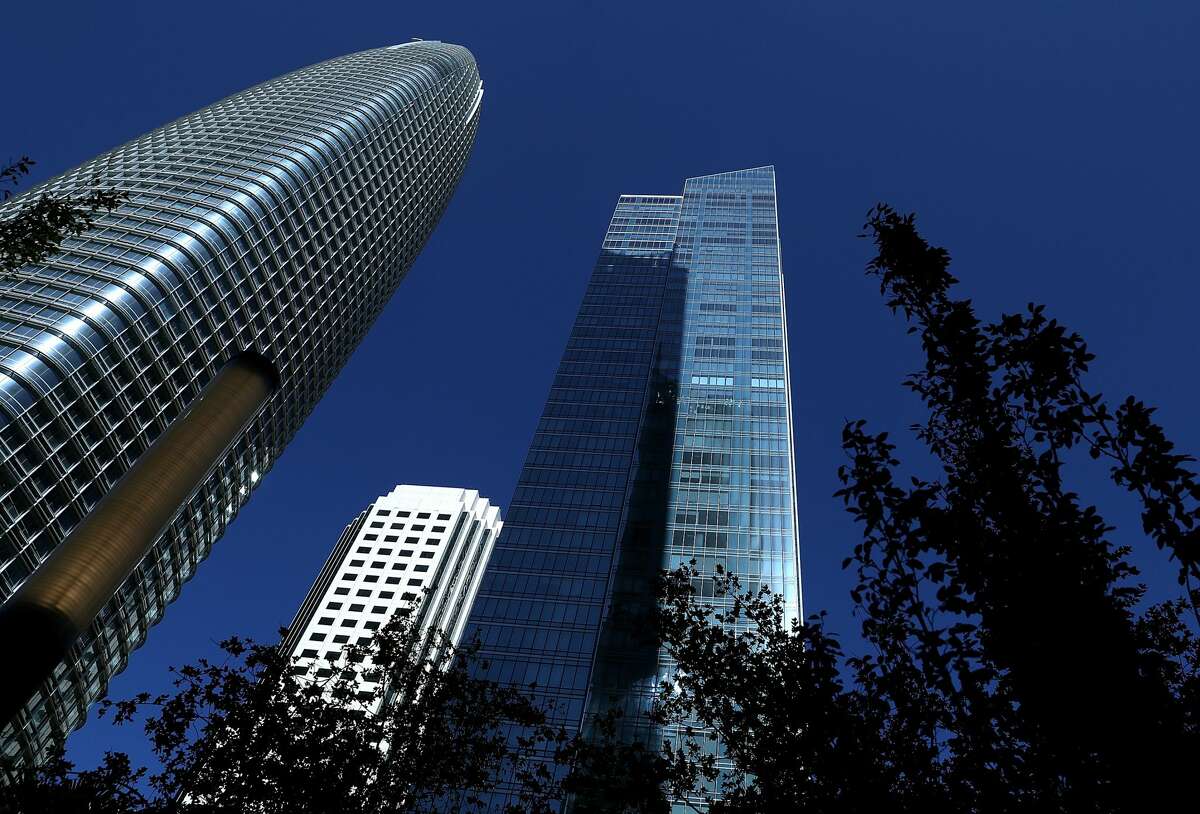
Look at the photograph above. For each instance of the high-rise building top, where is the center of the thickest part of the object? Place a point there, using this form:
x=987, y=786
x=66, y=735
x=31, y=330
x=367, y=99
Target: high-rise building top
x=269, y=228
x=422, y=547
x=666, y=438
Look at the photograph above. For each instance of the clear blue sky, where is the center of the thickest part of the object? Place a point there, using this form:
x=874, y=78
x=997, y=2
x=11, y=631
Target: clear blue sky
x=1050, y=145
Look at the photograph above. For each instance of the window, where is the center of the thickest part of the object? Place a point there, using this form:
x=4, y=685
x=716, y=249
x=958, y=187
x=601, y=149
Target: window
x=383, y=512
x=411, y=540
x=334, y=606
x=340, y=639
x=377, y=525
x=403, y=514
x=309, y=653
x=423, y=516
x=379, y=564
x=371, y=578
x=371, y=625
x=356, y=563
x=355, y=608
x=364, y=640
x=333, y=655
x=406, y=553
x=420, y=567
x=317, y=637
x=364, y=550
x=397, y=525
x=349, y=622
x=437, y=529
x=370, y=536
x=379, y=609
x=410, y=582
x=324, y=672
x=363, y=592
x=325, y=620
x=341, y=591
x=417, y=528
x=386, y=594
x=391, y=538
x=427, y=555
x=409, y=595
x=383, y=552
x=432, y=541
x=443, y=517
x=349, y=577
x=392, y=581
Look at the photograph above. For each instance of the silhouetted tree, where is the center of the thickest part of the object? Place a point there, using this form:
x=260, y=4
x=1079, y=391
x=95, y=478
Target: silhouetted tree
x=32, y=228
x=255, y=733
x=1009, y=666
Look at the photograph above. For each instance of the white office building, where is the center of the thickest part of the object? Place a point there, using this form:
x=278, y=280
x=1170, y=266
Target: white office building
x=417, y=546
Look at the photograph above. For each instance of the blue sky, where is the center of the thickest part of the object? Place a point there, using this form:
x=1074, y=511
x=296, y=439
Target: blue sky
x=1051, y=146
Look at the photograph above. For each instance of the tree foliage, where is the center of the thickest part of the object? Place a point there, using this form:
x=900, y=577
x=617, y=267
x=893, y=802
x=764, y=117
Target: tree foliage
x=33, y=228
x=1009, y=667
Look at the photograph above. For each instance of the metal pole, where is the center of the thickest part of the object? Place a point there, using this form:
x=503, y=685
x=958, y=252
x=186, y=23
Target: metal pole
x=57, y=603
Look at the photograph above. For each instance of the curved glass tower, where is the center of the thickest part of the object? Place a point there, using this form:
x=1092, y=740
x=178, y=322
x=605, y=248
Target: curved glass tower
x=261, y=237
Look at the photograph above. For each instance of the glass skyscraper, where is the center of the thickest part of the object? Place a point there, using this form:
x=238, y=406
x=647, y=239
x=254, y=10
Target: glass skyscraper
x=666, y=438
x=153, y=370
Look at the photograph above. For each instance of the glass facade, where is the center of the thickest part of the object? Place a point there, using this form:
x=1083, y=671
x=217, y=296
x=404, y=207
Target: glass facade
x=666, y=437
x=277, y=221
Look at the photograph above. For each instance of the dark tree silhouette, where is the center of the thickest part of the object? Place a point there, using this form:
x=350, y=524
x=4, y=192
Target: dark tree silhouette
x=33, y=228
x=255, y=733
x=1010, y=668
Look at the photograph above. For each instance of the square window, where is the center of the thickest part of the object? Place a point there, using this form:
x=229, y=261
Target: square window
x=333, y=655
x=340, y=639
x=309, y=653
x=371, y=626
x=379, y=609
x=326, y=620
x=355, y=608
x=364, y=639
x=379, y=564
x=406, y=553
x=317, y=637
x=400, y=566
x=371, y=578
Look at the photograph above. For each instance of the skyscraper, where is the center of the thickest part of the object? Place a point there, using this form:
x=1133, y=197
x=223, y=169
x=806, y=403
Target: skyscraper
x=417, y=546
x=666, y=437
x=153, y=370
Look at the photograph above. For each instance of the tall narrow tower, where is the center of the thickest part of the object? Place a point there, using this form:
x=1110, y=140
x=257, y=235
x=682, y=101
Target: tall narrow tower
x=666, y=438
x=153, y=370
